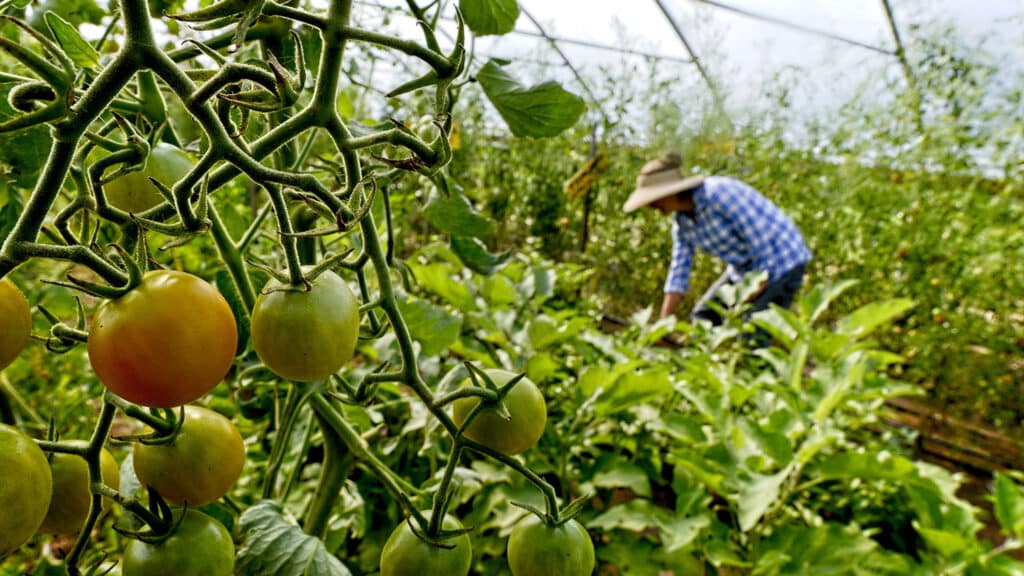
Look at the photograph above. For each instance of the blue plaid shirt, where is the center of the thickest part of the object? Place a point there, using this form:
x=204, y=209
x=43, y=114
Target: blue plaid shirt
x=739, y=225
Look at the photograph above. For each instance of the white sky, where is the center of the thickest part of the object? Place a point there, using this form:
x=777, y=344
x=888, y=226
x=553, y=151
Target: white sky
x=741, y=51
x=754, y=50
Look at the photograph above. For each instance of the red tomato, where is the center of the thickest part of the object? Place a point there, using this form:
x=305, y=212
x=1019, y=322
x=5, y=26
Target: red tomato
x=165, y=343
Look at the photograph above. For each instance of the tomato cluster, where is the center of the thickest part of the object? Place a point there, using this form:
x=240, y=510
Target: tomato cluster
x=535, y=548
x=170, y=340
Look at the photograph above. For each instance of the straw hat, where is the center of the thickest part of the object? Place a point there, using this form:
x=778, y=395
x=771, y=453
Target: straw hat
x=658, y=179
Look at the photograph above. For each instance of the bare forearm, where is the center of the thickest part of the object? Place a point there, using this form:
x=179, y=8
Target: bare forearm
x=669, y=304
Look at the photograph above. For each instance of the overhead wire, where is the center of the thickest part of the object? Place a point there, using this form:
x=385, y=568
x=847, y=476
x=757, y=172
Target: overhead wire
x=555, y=40
x=794, y=26
x=560, y=39
x=716, y=95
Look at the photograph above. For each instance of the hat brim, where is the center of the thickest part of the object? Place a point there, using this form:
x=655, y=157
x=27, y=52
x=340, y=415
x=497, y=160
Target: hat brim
x=643, y=196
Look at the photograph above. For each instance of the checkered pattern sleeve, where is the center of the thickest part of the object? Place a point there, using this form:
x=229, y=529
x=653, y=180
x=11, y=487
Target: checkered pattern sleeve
x=678, y=279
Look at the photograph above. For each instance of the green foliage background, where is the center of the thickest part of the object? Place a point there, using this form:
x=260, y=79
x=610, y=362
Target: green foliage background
x=932, y=215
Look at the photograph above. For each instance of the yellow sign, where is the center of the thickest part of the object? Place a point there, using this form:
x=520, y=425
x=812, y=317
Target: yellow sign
x=580, y=183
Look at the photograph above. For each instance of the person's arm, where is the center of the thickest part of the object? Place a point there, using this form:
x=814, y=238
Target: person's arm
x=669, y=304
x=678, y=279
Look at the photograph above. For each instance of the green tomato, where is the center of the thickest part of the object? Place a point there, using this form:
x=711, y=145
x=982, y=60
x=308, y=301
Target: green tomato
x=199, y=466
x=133, y=192
x=201, y=546
x=15, y=322
x=537, y=549
x=69, y=505
x=405, y=554
x=526, y=405
x=25, y=488
x=306, y=335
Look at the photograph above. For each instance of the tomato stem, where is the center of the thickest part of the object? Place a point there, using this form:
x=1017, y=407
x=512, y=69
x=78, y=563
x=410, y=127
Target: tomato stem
x=550, y=498
x=92, y=457
x=337, y=465
x=444, y=491
x=357, y=446
x=286, y=424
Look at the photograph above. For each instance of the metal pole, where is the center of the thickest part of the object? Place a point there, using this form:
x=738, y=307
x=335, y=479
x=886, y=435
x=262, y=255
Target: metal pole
x=587, y=198
x=908, y=72
x=558, y=50
x=700, y=66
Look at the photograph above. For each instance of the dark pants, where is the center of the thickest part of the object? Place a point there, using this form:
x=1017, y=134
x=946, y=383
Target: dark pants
x=780, y=292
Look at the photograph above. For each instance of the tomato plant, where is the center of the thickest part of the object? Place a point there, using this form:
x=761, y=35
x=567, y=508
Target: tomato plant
x=166, y=342
x=406, y=554
x=527, y=416
x=201, y=463
x=306, y=334
x=201, y=546
x=25, y=488
x=15, y=322
x=134, y=192
x=69, y=505
x=537, y=549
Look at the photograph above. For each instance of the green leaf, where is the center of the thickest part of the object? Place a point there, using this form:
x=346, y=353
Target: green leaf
x=866, y=319
x=1009, y=505
x=635, y=516
x=817, y=301
x=541, y=366
x=274, y=544
x=624, y=475
x=77, y=12
x=442, y=280
x=540, y=282
x=456, y=215
x=346, y=108
x=22, y=153
x=678, y=533
x=11, y=208
x=797, y=550
x=539, y=111
x=625, y=387
x=71, y=42
x=641, y=515
x=432, y=326
x=946, y=542
x=499, y=291
x=474, y=254
x=757, y=495
x=490, y=17
x=545, y=331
